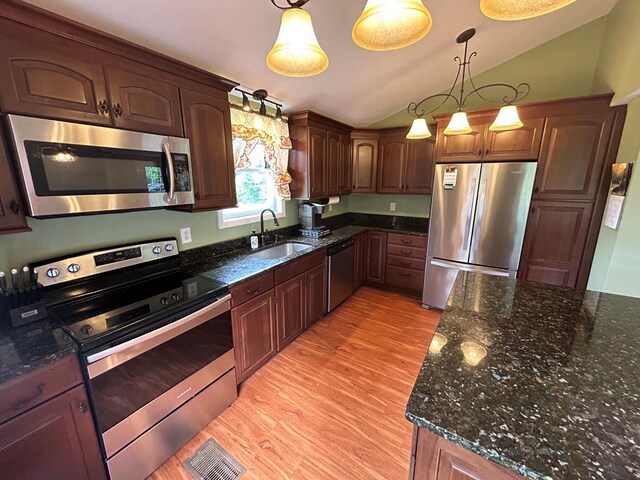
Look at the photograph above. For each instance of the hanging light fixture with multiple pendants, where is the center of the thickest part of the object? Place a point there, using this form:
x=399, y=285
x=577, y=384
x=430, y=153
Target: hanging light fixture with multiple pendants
x=507, y=118
x=519, y=9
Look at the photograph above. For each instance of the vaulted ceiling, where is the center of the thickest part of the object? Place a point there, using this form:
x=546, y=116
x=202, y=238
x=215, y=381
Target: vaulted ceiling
x=360, y=87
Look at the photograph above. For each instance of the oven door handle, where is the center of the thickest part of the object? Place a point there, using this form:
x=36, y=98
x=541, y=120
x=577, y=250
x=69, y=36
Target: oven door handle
x=172, y=175
x=103, y=361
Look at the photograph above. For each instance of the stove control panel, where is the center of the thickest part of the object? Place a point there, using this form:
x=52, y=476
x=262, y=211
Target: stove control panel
x=93, y=263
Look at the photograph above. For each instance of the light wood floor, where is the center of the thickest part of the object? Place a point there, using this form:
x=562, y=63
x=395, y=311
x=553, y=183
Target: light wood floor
x=331, y=405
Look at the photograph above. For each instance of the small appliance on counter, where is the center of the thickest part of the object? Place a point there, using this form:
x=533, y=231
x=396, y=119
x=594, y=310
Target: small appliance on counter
x=311, y=220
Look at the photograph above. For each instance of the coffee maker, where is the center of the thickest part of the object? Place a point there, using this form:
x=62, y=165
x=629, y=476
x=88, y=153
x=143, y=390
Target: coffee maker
x=311, y=219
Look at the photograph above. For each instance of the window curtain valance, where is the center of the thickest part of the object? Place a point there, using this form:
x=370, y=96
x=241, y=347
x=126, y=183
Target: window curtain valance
x=250, y=129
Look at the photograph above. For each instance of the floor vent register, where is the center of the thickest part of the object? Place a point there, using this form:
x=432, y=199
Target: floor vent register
x=212, y=462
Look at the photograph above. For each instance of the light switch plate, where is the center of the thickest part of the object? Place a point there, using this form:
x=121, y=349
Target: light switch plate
x=185, y=235
x=392, y=207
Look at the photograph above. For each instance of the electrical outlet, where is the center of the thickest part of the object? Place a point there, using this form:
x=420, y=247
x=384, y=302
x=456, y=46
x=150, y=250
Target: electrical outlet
x=392, y=207
x=185, y=235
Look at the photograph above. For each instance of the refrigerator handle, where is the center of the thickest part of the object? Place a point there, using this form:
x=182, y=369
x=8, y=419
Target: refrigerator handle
x=470, y=211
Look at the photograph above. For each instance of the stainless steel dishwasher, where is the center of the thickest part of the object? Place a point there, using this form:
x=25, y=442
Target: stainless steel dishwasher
x=340, y=273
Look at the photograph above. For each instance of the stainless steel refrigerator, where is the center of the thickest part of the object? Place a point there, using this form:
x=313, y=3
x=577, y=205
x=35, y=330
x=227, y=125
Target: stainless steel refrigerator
x=478, y=217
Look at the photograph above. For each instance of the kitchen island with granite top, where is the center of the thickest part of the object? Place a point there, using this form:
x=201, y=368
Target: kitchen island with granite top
x=524, y=380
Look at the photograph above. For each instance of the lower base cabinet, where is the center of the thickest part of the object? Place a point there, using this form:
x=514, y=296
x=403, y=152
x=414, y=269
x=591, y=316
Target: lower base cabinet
x=290, y=310
x=57, y=439
x=254, y=334
x=316, y=294
x=376, y=259
x=434, y=458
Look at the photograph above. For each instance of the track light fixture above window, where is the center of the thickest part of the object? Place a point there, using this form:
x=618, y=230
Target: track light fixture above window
x=391, y=24
x=296, y=52
x=261, y=96
x=507, y=118
x=519, y=9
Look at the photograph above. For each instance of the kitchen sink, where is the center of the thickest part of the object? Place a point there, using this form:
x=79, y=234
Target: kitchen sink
x=282, y=250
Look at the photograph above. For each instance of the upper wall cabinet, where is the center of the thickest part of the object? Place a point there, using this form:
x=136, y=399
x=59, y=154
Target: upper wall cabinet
x=207, y=123
x=572, y=156
x=365, y=161
x=419, y=166
x=320, y=161
x=484, y=145
x=142, y=103
x=12, y=216
x=39, y=78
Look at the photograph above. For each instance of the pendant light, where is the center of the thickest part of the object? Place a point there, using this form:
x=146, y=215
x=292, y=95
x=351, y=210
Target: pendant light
x=246, y=106
x=296, y=52
x=507, y=118
x=458, y=125
x=391, y=24
x=520, y=9
x=419, y=130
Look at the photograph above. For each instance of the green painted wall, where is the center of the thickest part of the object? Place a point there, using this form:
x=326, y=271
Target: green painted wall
x=560, y=68
x=616, y=266
x=406, y=205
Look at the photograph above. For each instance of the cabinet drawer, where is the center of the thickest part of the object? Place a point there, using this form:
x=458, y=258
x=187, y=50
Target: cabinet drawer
x=404, y=279
x=27, y=391
x=412, y=263
x=410, y=252
x=407, y=240
x=298, y=267
x=251, y=288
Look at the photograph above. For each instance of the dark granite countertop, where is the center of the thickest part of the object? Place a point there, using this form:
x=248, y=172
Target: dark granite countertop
x=30, y=347
x=239, y=265
x=557, y=395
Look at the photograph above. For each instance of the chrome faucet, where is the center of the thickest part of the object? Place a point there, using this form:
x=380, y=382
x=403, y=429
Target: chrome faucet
x=263, y=232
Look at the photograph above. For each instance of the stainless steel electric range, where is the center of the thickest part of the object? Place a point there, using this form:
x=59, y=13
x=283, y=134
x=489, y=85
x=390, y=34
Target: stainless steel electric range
x=156, y=345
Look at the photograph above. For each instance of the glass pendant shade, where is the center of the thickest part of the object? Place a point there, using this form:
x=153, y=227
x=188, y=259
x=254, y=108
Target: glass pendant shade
x=419, y=129
x=391, y=24
x=297, y=52
x=459, y=125
x=507, y=119
x=520, y=9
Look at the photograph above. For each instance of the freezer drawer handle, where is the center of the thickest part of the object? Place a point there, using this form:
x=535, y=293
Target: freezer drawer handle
x=470, y=268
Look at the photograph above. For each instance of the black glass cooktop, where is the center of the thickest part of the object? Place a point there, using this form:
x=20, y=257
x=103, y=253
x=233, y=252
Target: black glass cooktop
x=94, y=319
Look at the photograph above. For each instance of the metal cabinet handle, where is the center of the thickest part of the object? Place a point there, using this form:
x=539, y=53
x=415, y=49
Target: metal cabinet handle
x=256, y=291
x=103, y=107
x=25, y=401
x=404, y=274
x=486, y=152
x=15, y=207
x=404, y=264
x=117, y=110
x=480, y=152
x=82, y=407
x=405, y=253
x=533, y=209
x=536, y=189
x=406, y=241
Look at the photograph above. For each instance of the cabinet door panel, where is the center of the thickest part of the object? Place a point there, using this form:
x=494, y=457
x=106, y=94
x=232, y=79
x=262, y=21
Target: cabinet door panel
x=290, y=310
x=142, y=103
x=36, y=79
x=420, y=166
x=55, y=440
x=254, y=334
x=333, y=164
x=317, y=162
x=520, y=144
x=460, y=148
x=12, y=214
x=554, y=242
x=316, y=294
x=572, y=156
x=208, y=125
x=345, y=168
x=391, y=165
x=365, y=166
x=377, y=251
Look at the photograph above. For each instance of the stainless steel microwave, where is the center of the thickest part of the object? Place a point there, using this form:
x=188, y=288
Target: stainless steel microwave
x=70, y=168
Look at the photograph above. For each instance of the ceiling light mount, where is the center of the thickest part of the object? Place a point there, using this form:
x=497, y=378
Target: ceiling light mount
x=290, y=4
x=262, y=97
x=514, y=94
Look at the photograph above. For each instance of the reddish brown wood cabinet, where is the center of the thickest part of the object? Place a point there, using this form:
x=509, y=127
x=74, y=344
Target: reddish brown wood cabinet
x=574, y=151
x=434, y=458
x=419, y=169
x=360, y=259
x=140, y=102
x=484, y=145
x=315, y=284
x=365, y=161
x=319, y=163
x=254, y=333
x=376, y=259
x=12, y=214
x=207, y=123
x=392, y=163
